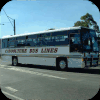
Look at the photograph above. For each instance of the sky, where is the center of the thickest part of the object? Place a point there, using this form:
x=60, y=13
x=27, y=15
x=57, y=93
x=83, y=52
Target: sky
x=39, y=15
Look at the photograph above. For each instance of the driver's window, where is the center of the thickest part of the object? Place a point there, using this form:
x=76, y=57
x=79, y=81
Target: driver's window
x=75, y=38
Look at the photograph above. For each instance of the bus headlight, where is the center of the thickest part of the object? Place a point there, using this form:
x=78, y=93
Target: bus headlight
x=82, y=59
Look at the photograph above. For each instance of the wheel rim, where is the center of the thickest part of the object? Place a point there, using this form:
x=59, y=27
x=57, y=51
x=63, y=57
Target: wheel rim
x=15, y=61
x=62, y=64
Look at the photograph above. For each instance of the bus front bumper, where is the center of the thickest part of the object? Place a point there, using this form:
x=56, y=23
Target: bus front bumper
x=91, y=62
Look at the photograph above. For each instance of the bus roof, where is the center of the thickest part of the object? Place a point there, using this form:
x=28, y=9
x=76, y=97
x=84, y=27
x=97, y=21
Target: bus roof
x=41, y=32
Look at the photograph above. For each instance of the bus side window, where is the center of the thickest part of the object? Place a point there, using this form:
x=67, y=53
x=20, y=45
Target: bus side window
x=28, y=41
x=34, y=41
x=5, y=43
x=20, y=41
x=64, y=40
x=57, y=38
x=11, y=42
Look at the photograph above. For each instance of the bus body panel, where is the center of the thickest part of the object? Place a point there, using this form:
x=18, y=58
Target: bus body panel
x=92, y=56
x=37, y=61
x=43, y=48
x=48, y=59
x=37, y=50
x=6, y=59
x=72, y=62
x=75, y=63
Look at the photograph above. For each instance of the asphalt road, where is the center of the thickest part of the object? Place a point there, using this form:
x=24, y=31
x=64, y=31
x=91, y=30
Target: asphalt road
x=45, y=83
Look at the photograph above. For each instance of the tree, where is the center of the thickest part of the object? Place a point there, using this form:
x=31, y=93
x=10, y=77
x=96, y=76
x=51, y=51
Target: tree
x=81, y=23
x=87, y=21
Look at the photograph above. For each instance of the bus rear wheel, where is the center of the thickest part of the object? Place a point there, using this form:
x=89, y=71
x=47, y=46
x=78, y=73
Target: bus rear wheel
x=14, y=61
x=62, y=65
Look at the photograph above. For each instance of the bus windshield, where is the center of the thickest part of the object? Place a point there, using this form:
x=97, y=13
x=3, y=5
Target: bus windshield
x=94, y=40
x=89, y=40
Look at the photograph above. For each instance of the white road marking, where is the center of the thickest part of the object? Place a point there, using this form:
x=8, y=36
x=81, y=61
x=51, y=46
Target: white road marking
x=36, y=73
x=11, y=89
x=42, y=70
x=2, y=65
x=12, y=95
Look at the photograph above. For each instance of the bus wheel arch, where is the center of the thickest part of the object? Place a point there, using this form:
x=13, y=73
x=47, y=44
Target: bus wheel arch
x=61, y=63
x=14, y=60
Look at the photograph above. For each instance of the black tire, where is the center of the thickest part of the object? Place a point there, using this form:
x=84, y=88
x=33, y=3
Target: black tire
x=62, y=65
x=14, y=61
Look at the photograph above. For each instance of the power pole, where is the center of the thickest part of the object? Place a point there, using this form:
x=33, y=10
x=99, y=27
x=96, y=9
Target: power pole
x=1, y=24
x=14, y=24
x=10, y=22
x=14, y=28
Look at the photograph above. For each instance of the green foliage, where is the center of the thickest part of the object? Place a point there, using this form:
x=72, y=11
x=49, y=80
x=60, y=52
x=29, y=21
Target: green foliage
x=87, y=21
x=81, y=23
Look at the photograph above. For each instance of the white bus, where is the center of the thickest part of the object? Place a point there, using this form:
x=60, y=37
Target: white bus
x=74, y=47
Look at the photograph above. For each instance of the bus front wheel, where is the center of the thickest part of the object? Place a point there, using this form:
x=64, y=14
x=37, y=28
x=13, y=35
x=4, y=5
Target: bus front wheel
x=62, y=65
x=14, y=61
